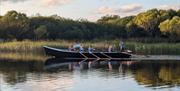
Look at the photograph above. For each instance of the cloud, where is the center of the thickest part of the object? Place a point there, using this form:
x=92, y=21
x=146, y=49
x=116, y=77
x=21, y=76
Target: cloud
x=42, y=2
x=55, y=2
x=129, y=8
x=175, y=7
x=105, y=10
x=14, y=1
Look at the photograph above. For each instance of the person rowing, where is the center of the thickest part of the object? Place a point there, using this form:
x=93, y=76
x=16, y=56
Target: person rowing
x=78, y=46
x=71, y=48
x=110, y=49
x=81, y=49
x=90, y=49
x=122, y=46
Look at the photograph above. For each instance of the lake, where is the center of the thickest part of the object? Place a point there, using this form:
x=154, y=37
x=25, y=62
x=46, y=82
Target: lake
x=146, y=74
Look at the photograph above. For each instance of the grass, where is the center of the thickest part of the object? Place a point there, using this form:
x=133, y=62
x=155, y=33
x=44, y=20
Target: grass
x=22, y=57
x=155, y=48
x=35, y=47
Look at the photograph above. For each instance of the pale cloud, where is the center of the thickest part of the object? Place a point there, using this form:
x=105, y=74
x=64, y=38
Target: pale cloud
x=55, y=2
x=175, y=7
x=14, y=1
x=129, y=8
x=41, y=2
x=105, y=10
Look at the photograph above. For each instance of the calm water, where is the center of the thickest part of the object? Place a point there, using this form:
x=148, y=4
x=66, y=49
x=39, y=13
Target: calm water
x=89, y=75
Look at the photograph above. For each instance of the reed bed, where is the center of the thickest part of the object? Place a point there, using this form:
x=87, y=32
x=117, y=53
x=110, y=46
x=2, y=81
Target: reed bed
x=29, y=49
x=22, y=57
x=36, y=46
x=154, y=48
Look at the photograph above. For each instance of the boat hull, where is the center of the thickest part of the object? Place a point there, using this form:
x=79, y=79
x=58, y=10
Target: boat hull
x=65, y=54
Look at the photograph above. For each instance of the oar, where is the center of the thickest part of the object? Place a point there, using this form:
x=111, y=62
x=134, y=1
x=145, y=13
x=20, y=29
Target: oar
x=106, y=55
x=83, y=60
x=95, y=60
x=84, y=56
x=91, y=62
x=95, y=56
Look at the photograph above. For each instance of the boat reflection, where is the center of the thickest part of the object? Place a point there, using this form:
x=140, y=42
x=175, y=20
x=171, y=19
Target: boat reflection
x=147, y=73
x=80, y=64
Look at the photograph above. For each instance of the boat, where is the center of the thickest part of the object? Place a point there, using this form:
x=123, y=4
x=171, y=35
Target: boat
x=66, y=54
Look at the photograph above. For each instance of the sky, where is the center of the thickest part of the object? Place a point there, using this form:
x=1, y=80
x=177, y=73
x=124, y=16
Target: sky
x=86, y=9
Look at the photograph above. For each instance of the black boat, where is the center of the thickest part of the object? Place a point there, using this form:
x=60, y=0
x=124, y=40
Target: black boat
x=65, y=54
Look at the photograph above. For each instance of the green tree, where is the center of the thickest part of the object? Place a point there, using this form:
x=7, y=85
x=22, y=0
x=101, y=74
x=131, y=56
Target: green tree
x=178, y=12
x=149, y=21
x=14, y=25
x=108, y=19
x=124, y=21
x=41, y=32
x=171, y=27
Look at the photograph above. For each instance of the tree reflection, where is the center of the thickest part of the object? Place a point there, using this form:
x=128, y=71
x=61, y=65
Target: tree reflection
x=158, y=73
x=170, y=74
x=16, y=71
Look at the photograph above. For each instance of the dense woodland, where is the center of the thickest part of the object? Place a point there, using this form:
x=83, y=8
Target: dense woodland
x=151, y=24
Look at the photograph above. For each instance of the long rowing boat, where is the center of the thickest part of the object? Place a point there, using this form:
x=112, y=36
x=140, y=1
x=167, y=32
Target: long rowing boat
x=65, y=54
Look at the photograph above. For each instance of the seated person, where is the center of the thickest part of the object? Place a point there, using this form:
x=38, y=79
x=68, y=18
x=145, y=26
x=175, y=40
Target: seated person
x=81, y=49
x=90, y=49
x=110, y=49
x=71, y=48
x=122, y=46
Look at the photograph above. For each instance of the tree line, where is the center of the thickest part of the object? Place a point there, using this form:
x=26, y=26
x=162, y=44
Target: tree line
x=150, y=24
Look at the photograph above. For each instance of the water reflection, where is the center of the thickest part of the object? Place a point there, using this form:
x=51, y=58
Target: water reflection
x=69, y=74
x=84, y=64
x=16, y=71
x=164, y=73
x=148, y=73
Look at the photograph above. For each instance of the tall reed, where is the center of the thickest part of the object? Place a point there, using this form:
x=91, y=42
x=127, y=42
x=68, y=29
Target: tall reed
x=36, y=47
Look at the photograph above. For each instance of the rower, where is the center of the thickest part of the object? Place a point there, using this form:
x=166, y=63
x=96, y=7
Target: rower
x=90, y=49
x=110, y=49
x=77, y=46
x=71, y=48
x=81, y=49
x=122, y=46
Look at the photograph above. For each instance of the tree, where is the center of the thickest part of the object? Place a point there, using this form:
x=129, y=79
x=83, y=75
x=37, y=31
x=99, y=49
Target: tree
x=171, y=27
x=135, y=31
x=178, y=12
x=14, y=25
x=41, y=32
x=108, y=19
x=149, y=21
x=124, y=21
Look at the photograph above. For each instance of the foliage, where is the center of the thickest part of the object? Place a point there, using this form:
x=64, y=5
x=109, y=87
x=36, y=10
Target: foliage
x=41, y=32
x=171, y=27
x=14, y=25
x=17, y=26
x=148, y=21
